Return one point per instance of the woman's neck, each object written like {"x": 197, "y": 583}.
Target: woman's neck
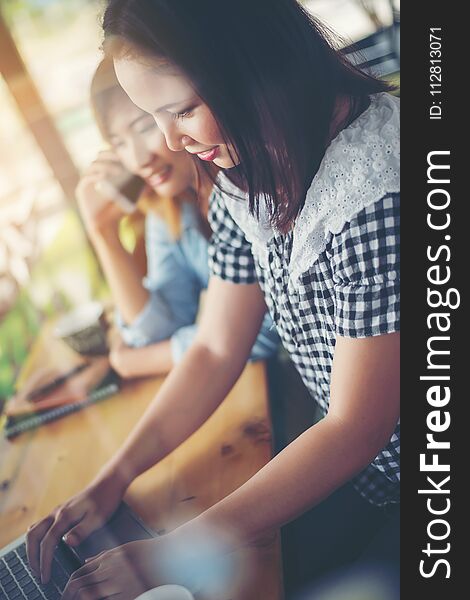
{"x": 345, "y": 111}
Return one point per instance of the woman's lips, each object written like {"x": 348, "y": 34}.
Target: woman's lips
{"x": 209, "y": 154}
{"x": 160, "y": 177}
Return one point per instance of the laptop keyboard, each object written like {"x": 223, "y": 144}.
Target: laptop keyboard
{"x": 18, "y": 582}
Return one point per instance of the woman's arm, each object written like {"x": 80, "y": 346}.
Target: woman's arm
{"x": 364, "y": 410}
{"x": 101, "y": 217}
{"x": 229, "y": 324}
{"x": 363, "y": 413}
{"x": 122, "y": 274}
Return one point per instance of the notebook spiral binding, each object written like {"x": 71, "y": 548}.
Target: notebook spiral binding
{"x": 61, "y": 411}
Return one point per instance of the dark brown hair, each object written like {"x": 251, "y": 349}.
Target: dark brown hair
{"x": 270, "y": 75}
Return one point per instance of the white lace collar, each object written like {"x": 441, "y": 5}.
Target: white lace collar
{"x": 360, "y": 166}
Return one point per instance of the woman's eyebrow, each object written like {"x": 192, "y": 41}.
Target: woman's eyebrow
{"x": 171, "y": 105}
{"x": 139, "y": 118}
{"x": 130, "y": 125}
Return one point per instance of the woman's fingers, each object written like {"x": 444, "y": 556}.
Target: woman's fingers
{"x": 106, "y": 170}
{"x": 90, "y": 581}
{"x": 88, "y": 561}
{"x": 95, "y": 207}
{"x": 108, "y": 160}
{"x": 89, "y": 567}
{"x": 34, "y": 537}
{"x": 104, "y": 167}
{"x": 103, "y": 163}
{"x": 64, "y": 520}
{"x": 87, "y": 588}
{"x": 77, "y": 534}
{"x": 108, "y": 155}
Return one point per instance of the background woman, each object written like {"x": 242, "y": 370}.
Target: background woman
{"x": 157, "y": 299}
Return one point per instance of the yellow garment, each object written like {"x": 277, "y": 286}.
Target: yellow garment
{"x": 132, "y": 227}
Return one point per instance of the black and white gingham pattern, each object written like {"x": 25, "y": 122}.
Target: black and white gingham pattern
{"x": 351, "y": 290}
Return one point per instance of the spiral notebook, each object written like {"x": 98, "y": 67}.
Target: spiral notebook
{"x": 48, "y": 388}
{"x": 14, "y": 427}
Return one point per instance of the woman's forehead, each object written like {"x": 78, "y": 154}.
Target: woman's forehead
{"x": 150, "y": 87}
{"x": 122, "y": 113}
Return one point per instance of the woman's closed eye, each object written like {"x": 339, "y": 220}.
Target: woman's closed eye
{"x": 148, "y": 127}
{"x": 144, "y": 124}
{"x": 116, "y": 142}
{"x": 183, "y": 114}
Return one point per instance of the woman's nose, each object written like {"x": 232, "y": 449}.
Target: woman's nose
{"x": 173, "y": 141}
{"x": 173, "y": 138}
{"x": 141, "y": 154}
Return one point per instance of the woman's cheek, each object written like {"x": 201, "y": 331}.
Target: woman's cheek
{"x": 157, "y": 144}
{"x": 126, "y": 160}
{"x": 208, "y": 129}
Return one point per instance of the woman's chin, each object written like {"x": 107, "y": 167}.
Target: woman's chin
{"x": 225, "y": 163}
{"x": 168, "y": 190}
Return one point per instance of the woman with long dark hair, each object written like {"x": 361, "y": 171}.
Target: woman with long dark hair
{"x": 305, "y": 218}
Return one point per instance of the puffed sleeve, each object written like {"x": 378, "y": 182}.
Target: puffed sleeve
{"x": 365, "y": 259}
{"x": 230, "y": 256}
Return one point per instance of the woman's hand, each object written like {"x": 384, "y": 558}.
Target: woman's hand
{"x": 129, "y": 362}
{"x": 120, "y": 357}
{"x": 78, "y": 518}
{"x": 124, "y": 572}
{"x": 189, "y": 556}
{"x": 100, "y": 214}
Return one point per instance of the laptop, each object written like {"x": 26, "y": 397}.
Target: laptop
{"x": 17, "y": 582}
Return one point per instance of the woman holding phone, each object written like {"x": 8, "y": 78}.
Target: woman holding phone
{"x": 157, "y": 305}
{"x": 305, "y": 218}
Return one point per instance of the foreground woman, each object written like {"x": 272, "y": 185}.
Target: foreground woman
{"x": 306, "y": 218}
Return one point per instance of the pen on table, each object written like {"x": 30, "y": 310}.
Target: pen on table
{"x": 55, "y": 383}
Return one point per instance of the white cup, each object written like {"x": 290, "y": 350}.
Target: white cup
{"x": 167, "y": 592}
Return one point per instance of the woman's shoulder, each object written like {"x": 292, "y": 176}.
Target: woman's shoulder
{"x": 171, "y": 215}
{"x": 190, "y": 214}
{"x": 361, "y": 167}
{"x": 368, "y": 148}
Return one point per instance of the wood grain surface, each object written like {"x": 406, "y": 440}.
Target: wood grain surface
{"x": 42, "y": 468}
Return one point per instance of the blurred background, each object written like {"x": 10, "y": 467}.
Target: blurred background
{"x": 48, "y": 52}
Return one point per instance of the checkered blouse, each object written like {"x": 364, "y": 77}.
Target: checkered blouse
{"x": 351, "y": 290}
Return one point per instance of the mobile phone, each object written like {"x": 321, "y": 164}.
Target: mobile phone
{"x": 132, "y": 187}
{"x": 124, "y": 190}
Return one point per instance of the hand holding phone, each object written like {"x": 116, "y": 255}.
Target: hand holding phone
{"x": 124, "y": 191}
{"x": 107, "y": 192}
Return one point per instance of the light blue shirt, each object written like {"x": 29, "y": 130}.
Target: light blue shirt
{"x": 177, "y": 272}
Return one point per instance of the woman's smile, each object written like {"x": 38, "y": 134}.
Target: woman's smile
{"x": 160, "y": 176}
{"x": 208, "y": 155}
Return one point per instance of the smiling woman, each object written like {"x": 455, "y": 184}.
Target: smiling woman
{"x": 186, "y": 120}
{"x": 305, "y": 219}
{"x": 156, "y": 310}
